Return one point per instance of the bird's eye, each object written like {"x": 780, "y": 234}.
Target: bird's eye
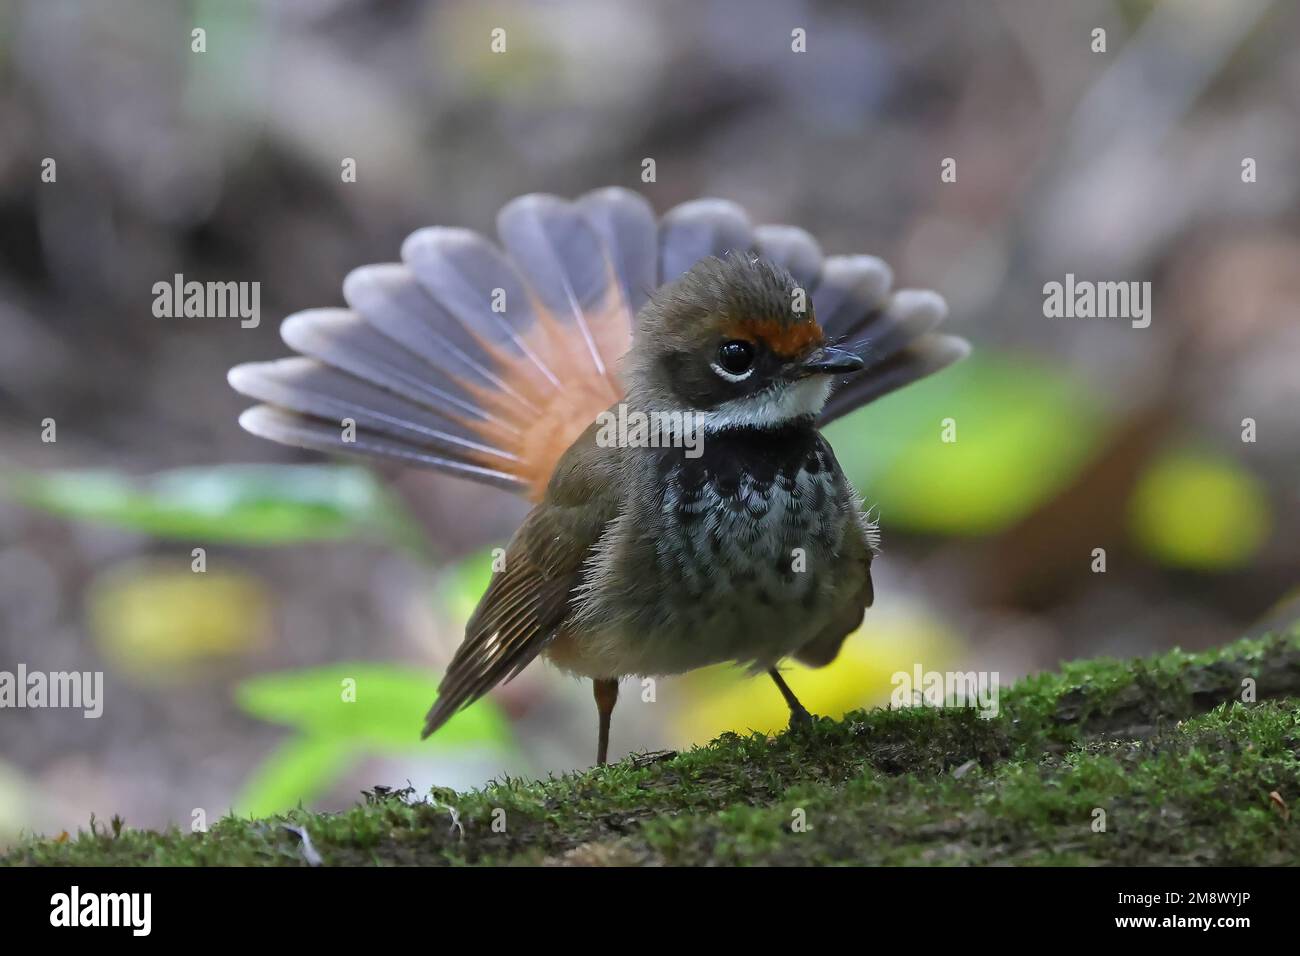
{"x": 736, "y": 358}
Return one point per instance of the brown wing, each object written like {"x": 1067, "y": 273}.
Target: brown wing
{"x": 531, "y": 597}
{"x": 855, "y": 591}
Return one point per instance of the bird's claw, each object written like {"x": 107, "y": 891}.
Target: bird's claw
{"x": 801, "y": 720}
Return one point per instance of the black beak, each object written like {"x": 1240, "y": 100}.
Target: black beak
{"x": 830, "y": 360}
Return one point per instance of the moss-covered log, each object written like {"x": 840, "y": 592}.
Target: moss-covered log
{"x": 1174, "y": 759}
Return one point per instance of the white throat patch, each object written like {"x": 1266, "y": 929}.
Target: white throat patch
{"x": 770, "y": 407}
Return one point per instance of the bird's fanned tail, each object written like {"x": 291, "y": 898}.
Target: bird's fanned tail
{"x": 488, "y": 364}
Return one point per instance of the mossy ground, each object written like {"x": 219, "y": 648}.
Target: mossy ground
{"x": 1181, "y": 768}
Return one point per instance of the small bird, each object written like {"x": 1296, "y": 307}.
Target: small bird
{"x": 716, "y": 527}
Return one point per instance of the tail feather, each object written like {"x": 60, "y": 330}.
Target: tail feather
{"x": 626, "y": 224}
{"x": 484, "y": 364}
{"x": 345, "y": 341}
{"x": 889, "y": 330}
{"x": 793, "y": 249}
{"x": 315, "y": 390}
{"x": 563, "y": 259}
{"x": 851, "y": 288}
{"x": 278, "y": 425}
{"x": 909, "y": 314}
{"x": 480, "y": 289}
{"x": 393, "y": 302}
{"x": 699, "y": 228}
{"x": 923, "y": 357}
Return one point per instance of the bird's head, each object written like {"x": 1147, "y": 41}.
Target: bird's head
{"x": 735, "y": 341}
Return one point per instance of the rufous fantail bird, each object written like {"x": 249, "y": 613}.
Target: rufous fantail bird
{"x": 657, "y": 389}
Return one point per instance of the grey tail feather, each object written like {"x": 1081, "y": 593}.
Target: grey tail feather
{"x": 563, "y": 259}
{"x": 479, "y": 290}
{"x": 626, "y": 224}
{"x": 850, "y": 289}
{"x": 893, "y": 331}
{"x": 919, "y": 358}
{"x": 301, "y": 431}
{"x": 794, "y": 250}
{"x": 439, "y": 360}
{"x": 700, "y": 228}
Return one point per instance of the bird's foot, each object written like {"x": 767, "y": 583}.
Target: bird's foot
{"x": 801, "y": 720}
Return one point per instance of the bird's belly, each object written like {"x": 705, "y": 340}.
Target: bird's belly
{"x": 727, "y": 585}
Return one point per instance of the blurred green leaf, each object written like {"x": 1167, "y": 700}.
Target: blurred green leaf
{"x": 1022, "y": 430}
{"x": 344, "y": 711}
{"x": 387, "y": 712}
{"x": 1199, "y": 510}
{"x": 248, "y": 504}
{"x": 300, "y": 771}
{"x": 464, "y": 583}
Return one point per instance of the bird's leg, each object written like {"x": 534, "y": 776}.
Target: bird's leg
{"x": 606, "y": 693}
{"x": 799, "y": 716}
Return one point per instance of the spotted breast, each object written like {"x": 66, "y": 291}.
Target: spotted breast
{"x": 746, "y": 553}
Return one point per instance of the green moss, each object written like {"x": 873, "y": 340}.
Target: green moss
{"x": 1162, "y": 751}
{"x": 1197, "y": 793}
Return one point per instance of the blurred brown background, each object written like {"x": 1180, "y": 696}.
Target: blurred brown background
{"x": 1074, "y": 434}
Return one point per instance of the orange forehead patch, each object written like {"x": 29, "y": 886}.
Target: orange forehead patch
{"x": 785, "y": 341}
